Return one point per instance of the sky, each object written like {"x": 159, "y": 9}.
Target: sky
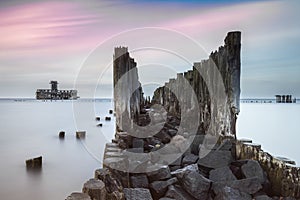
{"x": 72, "y": 42}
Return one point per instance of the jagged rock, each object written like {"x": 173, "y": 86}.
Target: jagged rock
{"x": 78, "y": 196}
{"x": 177, "y": 162}
{"x": 162, "y": 173}
{"x": 249, "y": 185}
{"x": 253, "y": 169}
{"x": 180, "y": 172}
{"x": 178, "y": 193}
{"x": 263, "y": 197}
{"x": 139, "y": 181}
{"x": 216, "y": 159}
{"x": 196, "y": 184}
{"x": 101, "y": 173}
{"x": 95, "y": 188}
{"x": 189, "y": 159}
{"x": 34, "y": 163}
{"x": 137, "y": 194}
{"x": 222, "y": 174}
{"x": 159, "y": 188}
{"x": 227, "y": 193}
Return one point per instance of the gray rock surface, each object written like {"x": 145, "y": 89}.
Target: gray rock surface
{"x": 178, "y": 193}
{"x": 196, "y": 185}
{"x": 137, "y": 194}
{"x": 221, "y": 174}
{"x": 249, "y": 185}
{"x": 216, "y": 159}
{"x": 227, "y": 193}
{"x": 139, "y": 181}
{"x": 253, "y": 169}
{"x": 95, "y": 188}
{"x": 78, "y": 196}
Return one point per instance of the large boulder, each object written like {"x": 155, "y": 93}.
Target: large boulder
{"x": 253, "y": 169}
{"x": 249, "y": 185}
{"x": 159, "y": 174}
{"x": 196, "y": 184}
{"x": 222, "y": 174}
{"x": 159, "y": 188}
{"x": 216, "y": 159}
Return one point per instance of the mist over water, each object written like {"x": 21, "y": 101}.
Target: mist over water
{"x": 30, "y": 129}
{"x": 273, "y": 125}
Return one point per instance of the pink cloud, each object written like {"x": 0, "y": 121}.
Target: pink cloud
{"x": 43, "y": 25}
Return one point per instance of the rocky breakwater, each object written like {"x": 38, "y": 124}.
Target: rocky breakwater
{"x": 172, "y": 151}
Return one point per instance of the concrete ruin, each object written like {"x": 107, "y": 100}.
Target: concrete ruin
{"x": 136, "y": 165}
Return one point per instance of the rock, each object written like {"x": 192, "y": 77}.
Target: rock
{"x": 227, "y": 193}
{"x": 100, "y": 125}
{"x": 101, "y": 173}
{"x": 139, "y": 181}
{"x": 166, "y": 198}
{"x": 61, "y": 135}
{"x": 180, "y": 172}
{"x": 80, "y": 134}
{"x": 159, "y": 188}
{"x": 190, "y": 159}
{"x": 95, "y": 188}
{"x": 172, "y": 132}
{"x": 263, "y": 197}
{"x": 107, "y": 118}
{"x": 216, "y": 159}
{"x": 78, "y": 196}
{"x": 178, "y": 193}
{"x": 162, "y": 173}
{"x": 163, "y": 136}
{"x": 253, "y": 169}
{"x": 226, "y": 145}
{"x": 97, "y": 118}
{"x": 222, "y": 174}
{"x": 196, "y": 185}
{"x": 137, "y": 194}
{"x": 137, "y": 143}
{"x": 34, "y": 163}
{"x": 111, "y": 112}
{"x": 249, "y": 185}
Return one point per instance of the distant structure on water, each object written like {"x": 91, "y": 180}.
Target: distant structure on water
{"x": 55, "y": 94}
{"x": 285, "y": 99}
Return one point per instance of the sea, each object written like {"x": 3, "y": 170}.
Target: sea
{"x": 30, "y": 128}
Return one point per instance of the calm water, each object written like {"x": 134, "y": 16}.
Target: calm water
{"x": 274, "y": 126}
{"x": 30, "y": 129}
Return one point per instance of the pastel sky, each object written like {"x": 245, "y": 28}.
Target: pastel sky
{"x": 52, "y": 40}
